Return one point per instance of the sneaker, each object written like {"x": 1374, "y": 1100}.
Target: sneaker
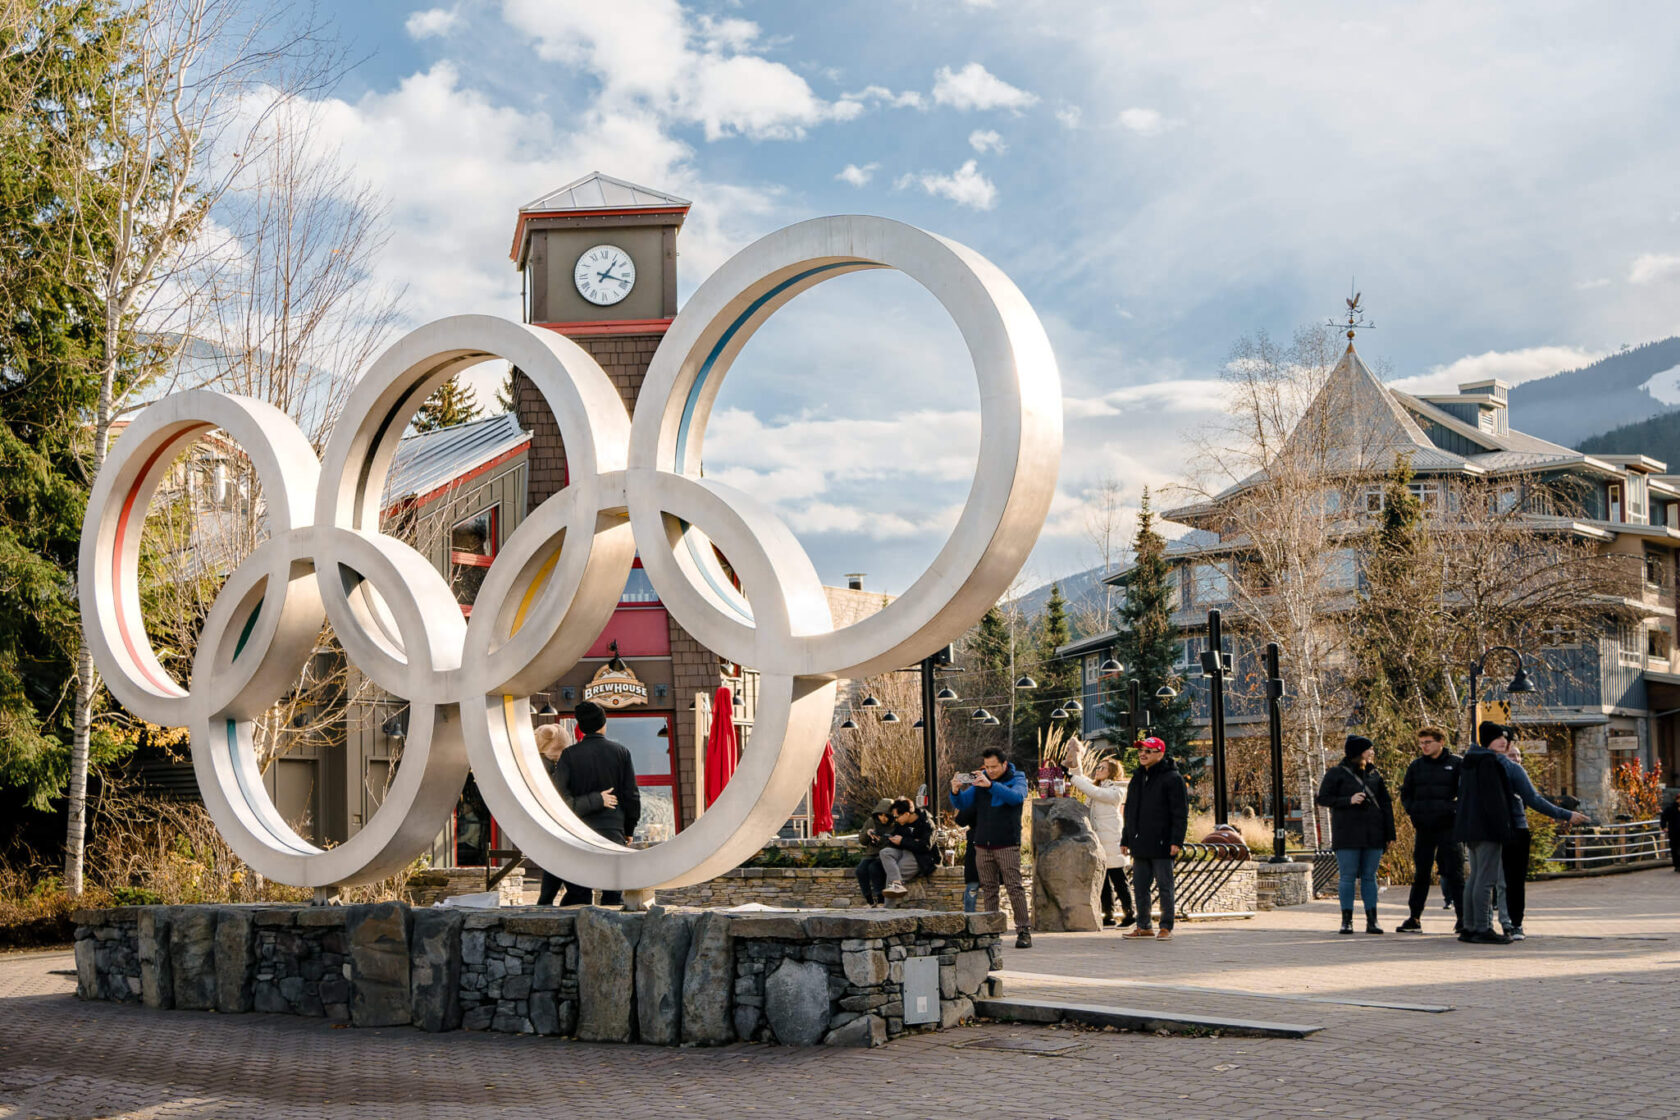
{"x": 1140, "y": 931}
{"x": 1128, "y": 920}
{"x": 895, "y": 890}
{"x": 1163, "y": 934}
{"x": 1516, "y": 933}
{"x": 1488, "y": 937}
{"x": 1446, "y": 904}
{"x": 1108, "y": 920}
{"x": 1410, "y": 925}
{"x": 1023, "y": 940}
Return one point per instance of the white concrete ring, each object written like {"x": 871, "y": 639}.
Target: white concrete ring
{"x": 434, "y": 762}
{"x": 108, "y": 569}
{"x": 1020, "y": 405}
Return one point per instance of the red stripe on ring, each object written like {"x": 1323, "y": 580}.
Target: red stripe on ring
{"x": 167, "y": 686}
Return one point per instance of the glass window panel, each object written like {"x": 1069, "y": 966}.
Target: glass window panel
{"x": 638, "y": 588}
{"x": 640, "y": 735}
{"x": 476, "y": 535}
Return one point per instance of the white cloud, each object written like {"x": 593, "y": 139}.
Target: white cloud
{"x": 975, "y": 87}
{"x": 651, "y": 58}
{"x": 1511, "y": 366}
{"x": 1069, "y": 115}
{"x": 857, "y": 176}
{"x": 1144, "y": 122}
{"x": 432, "y": 21}
{"x": 909, "y": 99}
{"x": 965, "y": 186}
{"x": 1649, "y": 268}
{"x": 986, "y": 140}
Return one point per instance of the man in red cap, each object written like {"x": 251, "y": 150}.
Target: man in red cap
{"x": 1157, "y": 813}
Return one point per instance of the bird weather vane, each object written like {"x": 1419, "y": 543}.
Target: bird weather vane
{"x": 1356, "y": 320}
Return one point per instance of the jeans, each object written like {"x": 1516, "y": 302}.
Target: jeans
{"x": 1148, "y": 872}
{"x": 871, "y": 877}
{"x": 1002, "y": 865}
{"x": 1357, "y": 864}
{"x": 899, "y": 865}
{"x": 1434, "y": 847}
{"x": 1513, "y": 860}
{"x": 1115, "y": 887}
{"x": 1479, "y": 886}
{"x": 971, "y": 897}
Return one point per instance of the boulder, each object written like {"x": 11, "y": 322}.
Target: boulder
{"x": 866, "y": 1030}
{"x": 87, "y": 968}
{"x": 661, "y": 955}
{"x": 545, "y": 1013}
{"x": 235, "y": 958}
{"x": 972, "y": 968}
{"x": 378, "y": 935}
{"x": 708, "y": 986}
{"x": 549, "y": 971}
{"x": 1068, "y": 868}
{"x": 796, "y": 1003}
{"x": 954, "y": 1012}
{"x": 606, "y": 974}
{"x": 865, "y": 968}
{"x": 746, "y": 1020}
{"x": 434, "y": 969}
{"x": 192, "y": 956}
{"x": 157, "y": 982}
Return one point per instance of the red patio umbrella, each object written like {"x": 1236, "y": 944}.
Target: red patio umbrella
{"x": 721, "y": 749}
{"x": 822, "y": 794}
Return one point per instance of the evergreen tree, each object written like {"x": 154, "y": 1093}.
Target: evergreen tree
{"x": 57, "y": 91}
{"x": 1147, "y": 645}
{"x": 1058, "y": 681}
{"x": 453, "y": 403}
{"x": 504, "y": 394}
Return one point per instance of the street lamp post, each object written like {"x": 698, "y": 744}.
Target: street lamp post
{"x": 1274, "y": 719}
{"x": 1519, "y": 682}
{"x": 1216, "y": 664}
{"x": 1137, "y": 716}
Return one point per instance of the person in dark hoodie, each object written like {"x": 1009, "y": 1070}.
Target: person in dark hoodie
{"x": 1361, "y": 825}
{"x": 1152, "y": 832}
{"x": 996, "y": 793}
{"x": 908, "y": 851}
{"x": 1429, "y": 793}
{"x": 872, "y": 837}
{"x": 597, "y": 778}
{"x": 1483, "y": 825}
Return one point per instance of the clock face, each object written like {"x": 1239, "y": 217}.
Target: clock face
{"x": 604, "y": 275}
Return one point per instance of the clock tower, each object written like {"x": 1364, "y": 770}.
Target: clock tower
{"x": 598, "y": 263}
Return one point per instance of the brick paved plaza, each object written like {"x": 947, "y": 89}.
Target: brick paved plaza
{"x": 1582, "y": 1020}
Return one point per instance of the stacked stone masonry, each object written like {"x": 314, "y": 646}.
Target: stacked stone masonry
{"x": 666, "y": 977}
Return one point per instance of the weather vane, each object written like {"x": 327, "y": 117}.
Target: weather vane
{"x": 1356, "y": 320}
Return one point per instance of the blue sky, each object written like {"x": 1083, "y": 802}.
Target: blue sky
{"x": 1160, "y": 179}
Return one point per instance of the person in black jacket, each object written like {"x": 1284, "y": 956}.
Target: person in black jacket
{"x": 1670, "y": 820}
{"x": 597, "y": 778}
{"x": 909, "y": 849}
{"x": 1361, "y": 825}
{"x": 1429, "y": 794}
{"x": 872, "y": 837}
{"x": 1483, "y": 825}
{"x": 1152, "y": 831}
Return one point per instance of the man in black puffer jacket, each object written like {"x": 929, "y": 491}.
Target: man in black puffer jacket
{"x": 1429, "y": 794}
{"x": 1152, "y": 831}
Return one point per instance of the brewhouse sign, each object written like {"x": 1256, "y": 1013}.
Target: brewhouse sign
{"x": 615, "y": 687}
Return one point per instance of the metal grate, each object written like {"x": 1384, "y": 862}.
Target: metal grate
{"x": 1200, "y": 871}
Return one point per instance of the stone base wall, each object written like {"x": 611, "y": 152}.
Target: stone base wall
{"x": 424, "y": 888}
{"x": 805, "y": 888}
{"x": 1238, "y": 894}
{"x": 1282, "y": 884}
{"x": 666, "y": 977}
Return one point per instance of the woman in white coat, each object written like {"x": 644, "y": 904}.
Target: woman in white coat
{"x": 1106, "y": 797}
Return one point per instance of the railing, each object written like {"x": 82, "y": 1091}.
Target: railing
{"x": 1611, "y": 845}
{"x": 1200, "y": 872}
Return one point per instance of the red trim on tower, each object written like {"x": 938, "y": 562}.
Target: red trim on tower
{"x": 612, "y": 326}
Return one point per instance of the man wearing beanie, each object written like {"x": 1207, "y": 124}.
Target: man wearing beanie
{"x": 597, "y": 778}
{"x": 1361, "y": 825}
{"x": 1483, "y": 825}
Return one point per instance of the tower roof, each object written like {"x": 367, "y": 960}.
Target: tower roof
{"x": 595, "y": 194}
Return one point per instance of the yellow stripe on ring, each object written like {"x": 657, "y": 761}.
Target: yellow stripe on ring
{"x": 530, "y": 596}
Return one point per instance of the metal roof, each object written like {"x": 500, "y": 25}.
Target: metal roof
{"x": 596, "y": 191}
{"x": 427, "y": 460}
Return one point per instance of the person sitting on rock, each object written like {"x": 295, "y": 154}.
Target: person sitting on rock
{"x": 909, "y": 849}
{"x": 872, "y": 837}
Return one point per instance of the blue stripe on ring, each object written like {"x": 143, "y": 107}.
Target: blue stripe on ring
{"x": 698, "y": 387}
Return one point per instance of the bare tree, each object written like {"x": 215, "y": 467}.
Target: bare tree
{"x": 1105, "y": 530}
{"x": 202, "y": 83}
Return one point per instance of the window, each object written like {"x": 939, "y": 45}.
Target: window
{"x": 648, "y": 738}
{"x": 1428, "y": 495}
{"x": 1341, "y": 570}
{"x": 1375, "y": 501}
{"x": 1656, "y": 567}
{"x": 1630, "y": 647}
{"x": 1210, "y": 584}
{"x": 638, "y": 589}
{"x": 1658, "y": 643}
{"x": 472, "y": 548}
{"x": 1560, "y": 637}
{"x": 1615, "y": 501}
{"x": 1506, "y": 498}
{"x": 1636, "y": 494}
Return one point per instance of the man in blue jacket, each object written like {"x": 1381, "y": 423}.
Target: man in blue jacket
{"x": 1514, "y": 855}
{"x": 996, "y": 792}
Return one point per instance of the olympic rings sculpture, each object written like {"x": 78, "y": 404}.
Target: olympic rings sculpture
{"x": 634, "y": 485}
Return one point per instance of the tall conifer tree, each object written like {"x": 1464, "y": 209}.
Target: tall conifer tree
{"x": 453, "y": 403}
{"x": 1147, "y": 645}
